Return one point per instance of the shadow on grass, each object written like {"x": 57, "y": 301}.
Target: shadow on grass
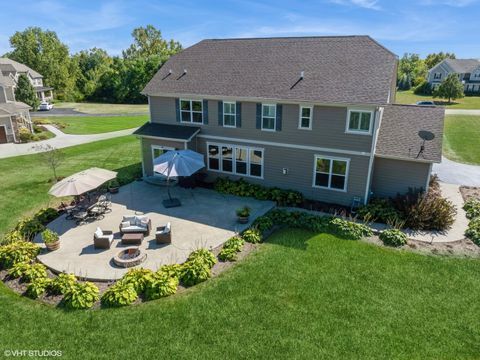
{"x": 129, "y": 173}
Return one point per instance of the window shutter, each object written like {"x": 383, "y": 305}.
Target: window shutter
{"x": 259, "y": 116}
{"x": 220, "y": 113}
{"x": 239, "y": 114}
{"x": 177, "y": 109}
{"x": 278, "y": 124}
{"x": 205, "y": 112}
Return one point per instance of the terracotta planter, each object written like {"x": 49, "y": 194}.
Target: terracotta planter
{"x": 243, "y": 219}
{"x": 53, "y": 246}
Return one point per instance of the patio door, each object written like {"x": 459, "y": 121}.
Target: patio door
{"x": 158, "y": 150}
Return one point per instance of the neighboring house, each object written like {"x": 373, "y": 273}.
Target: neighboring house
{"x": 14, "y": 69}
{"x": 468, "y": 71}
{"x": 313, "y": 114}
{"x": 14, "y": 115}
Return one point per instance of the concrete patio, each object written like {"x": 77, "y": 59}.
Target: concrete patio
{"x": 205, "y": 219}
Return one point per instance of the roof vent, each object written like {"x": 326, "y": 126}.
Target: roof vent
{"x": 302, "y": 73}
{"x": 184, "y": 71}
{"x": 170, "y": 71}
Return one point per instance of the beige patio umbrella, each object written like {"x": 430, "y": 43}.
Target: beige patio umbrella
{"x": 82, "y": 182}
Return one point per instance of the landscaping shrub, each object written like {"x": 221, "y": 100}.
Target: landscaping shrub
{"x": 380, "y": 210}
{"x": 49, "y": 236}
{"x": 472, "y": 208}
{"x": 228, "y": 254}
{"x": 263, "y": 223}
{"x": 18, "y": 270}
{"x": 230, "y": 249}
{"x": 473, "y": 231}
{"x": 349, "y": 229}
{"x": 194, "y": 272}
{"x": 81, "y": 295}
{"x": 252, "y": 235}
{"x": 393, "y": 237}
{"x": 37, "y": 287}
{"x": 119, "y": 294}
{"x": 24, "y": 134}
{"x": 21, "y": 251}
{"x": 12, "y": 236}
{"x": 29, "y": 227}
{"x": 138, "y": 278}
{"x": 203, "y": 255}
{"x": 162, "y": 284}
{"x": 243, "y": 188}
{"x": 62, "y": 283}
{"x": 423, "y": 88}
{"x": 46, "y": 215}
{"x": 173, "y": 270}
{"x": 300, "y": 219}
{"x": 35, "y": 271}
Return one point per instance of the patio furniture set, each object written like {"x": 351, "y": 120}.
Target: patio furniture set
{"x": 84, "y": 211}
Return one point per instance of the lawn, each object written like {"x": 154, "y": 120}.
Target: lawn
{"x": 468, "y": 102}
{"x": 462, "y": 138}
{"x": 100, "y": 108}
{"x": 96, "y": 124}
{"x": 25, "y": 183}
{"x": 300, "y": 296}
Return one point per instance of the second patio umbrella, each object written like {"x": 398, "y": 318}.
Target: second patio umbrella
{"x": 176, "y": 163}
{"x": 82, "y": 182}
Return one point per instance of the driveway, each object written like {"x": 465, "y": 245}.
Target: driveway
{"x": 453, "y": 172}
{"x": 61, "y": 140}
{"x": 462, "y": 112}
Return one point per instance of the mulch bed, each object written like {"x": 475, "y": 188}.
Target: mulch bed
{"x": 469, "y": 192}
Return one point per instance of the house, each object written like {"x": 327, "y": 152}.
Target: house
{"x": 314, "y": 114}
{"x": 14, "y": 115}
{"x": 13, "y": 69}
{"x": 468, "y": 71}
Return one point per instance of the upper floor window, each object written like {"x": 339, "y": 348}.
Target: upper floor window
{"x": 359, "y": 121}
{"x": 330, "y": 173}
{"x": 476, "y": 75}
{"x": 191, "y": 111}
{"x": 229, "y": 114}
{"x": 269, "y": 113}
{"x": 305, "y": 118}
{"x": 437, "y": 76}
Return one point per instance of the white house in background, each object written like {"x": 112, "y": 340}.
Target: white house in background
{"x": 468, "y": 71}
{"x": 13, "y": 70}
{"x": 14, "y": 115}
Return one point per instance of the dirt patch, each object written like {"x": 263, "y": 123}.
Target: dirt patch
{"x": 469, "y": 192}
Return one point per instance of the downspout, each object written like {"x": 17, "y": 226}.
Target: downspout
{"x": 427, "y": 185}
{"x": 141, "y": 154}
{"x": 378, "y": 121}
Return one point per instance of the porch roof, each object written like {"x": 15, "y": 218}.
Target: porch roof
{"x": 14, "y": 107}
{"x": 168, "y": 131}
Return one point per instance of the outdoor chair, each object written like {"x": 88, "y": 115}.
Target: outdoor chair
{"x": 105, "y": 202}
{"x": 163, "y": 234}
{"x": 102, "y": 239}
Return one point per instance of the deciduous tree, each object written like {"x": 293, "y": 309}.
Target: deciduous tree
{"x": 451, "y": 88}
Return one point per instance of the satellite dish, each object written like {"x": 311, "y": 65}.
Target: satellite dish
{"x": 426, "y": 135}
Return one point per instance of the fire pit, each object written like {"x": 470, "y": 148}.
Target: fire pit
{"x": 130, "y": 256}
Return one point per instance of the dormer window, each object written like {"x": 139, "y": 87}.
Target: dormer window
{"x": 359, "y": 122}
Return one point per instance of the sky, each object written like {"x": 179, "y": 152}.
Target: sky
{"x": 414, "y": 26}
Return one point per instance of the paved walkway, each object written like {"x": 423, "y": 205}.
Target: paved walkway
{"x": 206, "y": 219}
{"x": 462, "y": 112}
{"x": 61, "y": 140}
{"x": 452, "y": 172}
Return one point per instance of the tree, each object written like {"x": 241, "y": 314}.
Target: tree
{"x": 451, "y": 88}
{"x": 92, "y": 65}
{"x": 411, "y": 66}
{"x": 25, "y": 92}
{"x": 45, "y": 53}
{"x": 433, "y": 59}
{"x": 148, "y": 41}
{"x": 51, "y": 156}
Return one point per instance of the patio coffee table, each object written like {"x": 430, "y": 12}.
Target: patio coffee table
{"x": 132, "y": 238}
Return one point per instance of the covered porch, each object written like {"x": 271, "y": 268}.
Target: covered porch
{"x": 44, "y": 93}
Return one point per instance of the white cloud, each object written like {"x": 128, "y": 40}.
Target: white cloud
{"x": 366, "y": 4}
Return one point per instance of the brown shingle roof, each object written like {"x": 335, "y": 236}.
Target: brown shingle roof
{"x": 343, "y": 69}
{"x": 399, "y": 132}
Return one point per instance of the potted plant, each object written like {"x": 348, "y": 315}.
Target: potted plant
{"x": 243, "y": 214}
{"x": 51, "y": 239}
{"x": 113, "y": 186}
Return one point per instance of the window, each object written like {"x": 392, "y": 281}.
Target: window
{"x": 437, "y": 76}
{"x": 359, "y": 121}
{"x": 229, "y": 114}
{"x": 331, "y": 173}
{"x": 191, "y": 111}
{"x": 233, "y": 159}
{"x": 269, "y": 112}
{"x": 305, "y": 118}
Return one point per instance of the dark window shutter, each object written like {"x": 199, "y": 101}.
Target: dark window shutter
{"x": 177, "y": 109}
{"x": 220, "y": 113}
{"x": 239, "y": 114}
{"x": 278, "y": 126}
{"x": 205, "y": 111}
{"x": 259, "y": 116}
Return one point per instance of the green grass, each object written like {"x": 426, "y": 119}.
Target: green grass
{"x": 25, "y": 179}
{"x": 462, "y": 138}
{"x": 100, "y": 108}
{"x": 299, "y": 296}
{"x": 79, "y": 125}
{"x": 468, "y": 102}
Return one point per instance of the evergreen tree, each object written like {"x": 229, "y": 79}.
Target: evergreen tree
{"x": 26, "y": 93}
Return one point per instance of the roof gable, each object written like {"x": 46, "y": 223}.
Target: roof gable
{"x": 7, "y": 64}
{"x": 344, "y": 69}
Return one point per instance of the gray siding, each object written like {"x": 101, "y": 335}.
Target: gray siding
{"x": 328, "y": 125}
{"x": 392, "y": 177}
